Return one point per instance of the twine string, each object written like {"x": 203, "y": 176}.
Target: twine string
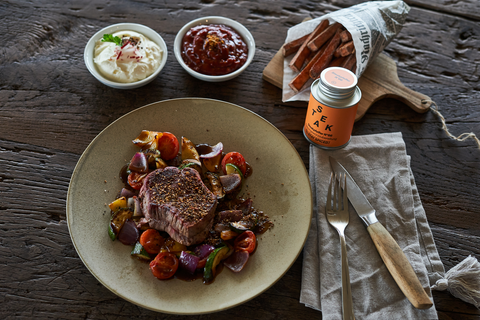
{"x": 464, "y": 136}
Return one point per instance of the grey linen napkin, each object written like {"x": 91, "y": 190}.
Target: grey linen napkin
{"x": 380, "y": 166}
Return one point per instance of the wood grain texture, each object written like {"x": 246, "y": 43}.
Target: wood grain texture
{"x": 51, "y": 108}
{"x": 378, "y": 82}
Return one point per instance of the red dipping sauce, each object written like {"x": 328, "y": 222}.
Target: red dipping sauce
{"x": 214, "y": 49}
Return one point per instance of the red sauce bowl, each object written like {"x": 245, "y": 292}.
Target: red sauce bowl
{"x": 215, "y": 20}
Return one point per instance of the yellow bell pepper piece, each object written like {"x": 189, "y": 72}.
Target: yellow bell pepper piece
{"x": 117, "y": 204}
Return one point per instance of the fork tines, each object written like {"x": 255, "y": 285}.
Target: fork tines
{"x": 338, "y": 180}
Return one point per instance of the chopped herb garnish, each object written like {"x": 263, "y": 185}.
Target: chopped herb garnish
{"x": 111, "y": 38}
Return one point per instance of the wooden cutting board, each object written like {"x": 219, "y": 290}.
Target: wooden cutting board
{"x": 379, "y": 81}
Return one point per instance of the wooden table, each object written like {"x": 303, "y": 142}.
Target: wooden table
{"x": 51, "y": 108}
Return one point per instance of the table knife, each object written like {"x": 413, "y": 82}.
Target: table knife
{"x": 389, "y": 250}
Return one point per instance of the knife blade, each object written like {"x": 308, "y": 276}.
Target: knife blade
{"x": 392, "y": 255}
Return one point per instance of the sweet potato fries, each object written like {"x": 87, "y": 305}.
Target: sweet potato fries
{"x": 327, "y": 46}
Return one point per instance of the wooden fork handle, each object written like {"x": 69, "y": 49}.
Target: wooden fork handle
{"x": 399, "y": 266}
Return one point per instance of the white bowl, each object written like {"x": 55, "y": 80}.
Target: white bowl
{"x": 89, "y": 54}
{"x": 246, "y": 35}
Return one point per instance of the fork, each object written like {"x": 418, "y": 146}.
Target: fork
{"x": 338, "y": 217}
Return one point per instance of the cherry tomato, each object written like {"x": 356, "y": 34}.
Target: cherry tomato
{"x": 135, "y": 180}
{"x": 201, "y": 263}
{"x": 151, "y": 241}
{"x": 168, "y": 146}
{"x": 234, "y": 158}
{"x": 246, "y": 241}
{"x": 164, "y": 266}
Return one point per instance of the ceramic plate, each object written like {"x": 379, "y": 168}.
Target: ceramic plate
{"x": 279, "y": 186}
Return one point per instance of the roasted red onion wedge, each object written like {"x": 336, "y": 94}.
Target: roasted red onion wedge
{"x": 237, "y": 261}
{"x": 188, "y": 261}
{"x": 212, "y": 159}
{"x": 137, "y": 211}
{"x": 216, "y": 150}
{"x": 129, "y": 234}
{"x": 204, "y": 250}
{"x": 139, "y": 163}
{"x": 245, "y": 206}
{"x": 230, "y": 182}
{"x": 128, "y": 193}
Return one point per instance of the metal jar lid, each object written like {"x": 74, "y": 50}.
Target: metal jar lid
{"x": 337, "y": 83}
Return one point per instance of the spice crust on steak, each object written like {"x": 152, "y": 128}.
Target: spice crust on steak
{"x": 178, "y": 202}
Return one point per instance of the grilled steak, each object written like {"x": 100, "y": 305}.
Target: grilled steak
{"x": 177, "y": 201}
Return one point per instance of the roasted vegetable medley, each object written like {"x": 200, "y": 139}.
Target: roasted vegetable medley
{"x": 162, "y": 232}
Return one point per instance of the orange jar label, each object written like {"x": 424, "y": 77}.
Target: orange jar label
{"x": 327, "y": 126}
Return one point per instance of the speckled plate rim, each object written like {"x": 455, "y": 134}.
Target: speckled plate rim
{"x": 280, "y": 187}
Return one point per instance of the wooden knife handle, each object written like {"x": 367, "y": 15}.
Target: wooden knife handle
{"x": 399, "y": 266}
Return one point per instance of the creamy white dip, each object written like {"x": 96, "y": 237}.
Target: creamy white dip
{"x": 135, "y": 59}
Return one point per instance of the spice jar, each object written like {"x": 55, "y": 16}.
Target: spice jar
{"x": 332, "y": 108}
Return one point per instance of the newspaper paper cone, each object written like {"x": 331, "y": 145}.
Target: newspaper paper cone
{"x": 373, "y": 25}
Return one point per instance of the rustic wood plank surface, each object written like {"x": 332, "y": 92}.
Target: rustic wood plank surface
{"x": 51, "y": 108}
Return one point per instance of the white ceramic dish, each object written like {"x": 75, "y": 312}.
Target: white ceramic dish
{"x": 246, "y": 35}
{"x": 279, "y": 186}
{"x": 146, "y": 31}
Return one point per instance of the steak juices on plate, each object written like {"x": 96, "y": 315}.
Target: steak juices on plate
{"x": 182, "y": 210}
